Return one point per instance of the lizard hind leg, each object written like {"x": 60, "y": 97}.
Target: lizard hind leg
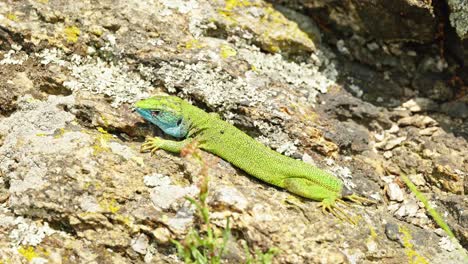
{"x": 330, "y": 201}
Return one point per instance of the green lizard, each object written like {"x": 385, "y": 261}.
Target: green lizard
{"x": 180, "y": 119}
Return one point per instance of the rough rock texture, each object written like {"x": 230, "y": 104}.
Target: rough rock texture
{"x": 459, "y": 17}
{"x": 323, "y": 83}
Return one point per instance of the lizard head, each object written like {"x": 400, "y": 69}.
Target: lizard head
{"x": 166, "y": 113}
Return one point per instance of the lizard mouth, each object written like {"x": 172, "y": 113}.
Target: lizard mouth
{"x": 145, "y": 113}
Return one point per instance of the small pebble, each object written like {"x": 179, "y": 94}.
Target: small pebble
{"x": 140, "y": 244}
{"x": 394, "y": 192}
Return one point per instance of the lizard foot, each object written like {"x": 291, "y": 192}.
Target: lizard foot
{"x": 358, "y": 199}
{"x": 331, "y": 206}
{"x": 151, "y": 144}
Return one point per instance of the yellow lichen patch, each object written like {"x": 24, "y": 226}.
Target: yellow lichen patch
{"x": 231, "y": 4}
{"x": 126, "y": 220}
{"x": 287, "y": 30}
{"x": 227, "y": 51}
{"x": 96, "y": 185}
{"x": 5, "y": 261}
{"x": 110, "y": 205}
{"x": 60, "y": 133}
{"x": 102, "y": 141}
{"x": 41, "y": 135}
{"x": 273, "y": 31}
{"x": 71, "y": 34}
{"x": 413, "y": 256}
{"x": 11, "y": 16}
{"x": 372, "y": 234}
{"x": 104, "y": 120}
{"x": 30, "y": 252}
{"x": 192, "y": 44}
{"x": 43, "y": 1}
{"x": 32, "y": 100}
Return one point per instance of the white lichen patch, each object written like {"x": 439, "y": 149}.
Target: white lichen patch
{"x": 54, "y": 55}
{"x": 115, "y": 80}
{"x": 20, "y": 132}
{"x": 219, "y": 89}
{"x": 181, "y": 6}
{"x": 299, "y": 75}
{"x": 156, "y": 179}
{"x": 164, "y": 195}
{"x": 344, "y": 173}
{"x": 13, "y": 58}
{"x": 33, "y": 136}
{"x": 29, "y": 233}
{"x": 276, "y": 139}
{"x": 230, "y": 197}
{"x": 288, "y": 148}
{"x": 122, "y": 150}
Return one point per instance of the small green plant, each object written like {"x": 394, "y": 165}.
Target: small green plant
{"x": 205, "y": 243}
{"x": 259, "y": 257}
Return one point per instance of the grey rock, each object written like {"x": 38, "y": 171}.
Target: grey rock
{"x": 229, "y": 197}
{"x": 394, "y": 192}
{"x": 140, "y": 243}
{"x": 392, "y": 231}
{"x": 459, "y": 17}
{"x": 457, "y": 109}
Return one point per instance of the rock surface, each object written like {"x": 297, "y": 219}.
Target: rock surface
{"x": 317, "y": 80}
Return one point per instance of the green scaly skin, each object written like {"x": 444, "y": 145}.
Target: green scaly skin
{"x": 226, "y": 141}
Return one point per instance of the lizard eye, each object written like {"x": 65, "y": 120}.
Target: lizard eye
{"x": 155, "y": 113}
{"x": 179, "y": 122}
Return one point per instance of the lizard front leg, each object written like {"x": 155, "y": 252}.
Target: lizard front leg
{"x": 155, "y": 143}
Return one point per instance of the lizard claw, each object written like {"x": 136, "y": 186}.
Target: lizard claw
{"x": 359, "y": 200}
{"x": 331, "y": 206}
{"x": 151, "y": 144}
